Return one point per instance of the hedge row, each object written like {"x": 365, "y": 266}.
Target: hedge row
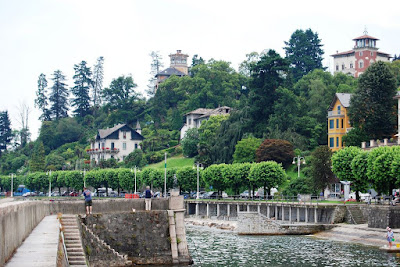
{"x": 219, "y": 177}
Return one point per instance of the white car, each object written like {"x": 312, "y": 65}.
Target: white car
{"x": 29, "y": 194}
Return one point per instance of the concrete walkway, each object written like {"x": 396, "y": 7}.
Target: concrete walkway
{"x": 40, "y": 247}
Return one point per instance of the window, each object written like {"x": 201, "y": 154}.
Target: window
{"x": 342, "y": 124}
{"x": 190, "y": 121}
{"x": 103, "y": 145}
{"x": 351, "y": 65}
{"x": 331, "y": 124}
{"x": 99, "y": 145}
{"x": 136, "y": 146}
{"x": 112, "y": 146}
{"x": 337, "y": 141}
{"x": 337, "y": 67}
{"x": 337, "y": 123}
{"x": 124, "y": 134}
{"x": 338, "y": 110}
{"x": 372, "y": 54}
{"x": 124, "y": 146}
{"x": 123, "y": 157}
{"x": 360, "y": 53}
{"x": 331, "y": 144}
{"x": 361, "y": 64}
{"x": 342, "y": 66}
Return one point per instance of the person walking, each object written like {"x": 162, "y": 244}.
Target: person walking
{"x": 389, "y": 236}
{"x": 88, "y": 200}
{"x": 147, "y": 197}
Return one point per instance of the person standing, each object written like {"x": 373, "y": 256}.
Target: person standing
{"x": 88, "y": 200}
{"x": 389, "y": 236}
{"x": 147, "y": 197}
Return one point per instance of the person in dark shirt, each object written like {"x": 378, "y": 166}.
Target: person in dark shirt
{"x": 88, "y": 200}
{"x": 147, "y": 197}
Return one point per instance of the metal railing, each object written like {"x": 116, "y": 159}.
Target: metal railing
{"x": 63, "y": 242}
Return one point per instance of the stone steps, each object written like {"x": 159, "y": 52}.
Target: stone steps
{"x": 73, "y": 243}
{"x": 356, "y": 214}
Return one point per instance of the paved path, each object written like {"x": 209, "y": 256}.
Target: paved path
{"x": 40, "y": 247}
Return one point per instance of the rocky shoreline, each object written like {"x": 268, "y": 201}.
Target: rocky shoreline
{"x": 219, "y": 224}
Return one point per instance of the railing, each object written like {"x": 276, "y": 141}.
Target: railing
{"x": 63, "y": 242}
{"x": 335, "y": 113}
{"x": 103, "y": 150}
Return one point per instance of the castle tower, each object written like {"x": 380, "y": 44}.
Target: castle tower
{"x": 179, "y": 61}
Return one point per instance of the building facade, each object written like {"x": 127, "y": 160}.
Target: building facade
{"x": 338, "y": 120}
{"x": 365, "y": 52}
{"x": 178, "y": 67}
{"x": 116, "y": 142}
{"x": 196, "y": 117}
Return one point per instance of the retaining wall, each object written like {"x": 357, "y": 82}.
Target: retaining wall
{"x": 17, "y": 220}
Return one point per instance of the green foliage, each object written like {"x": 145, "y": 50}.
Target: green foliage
{"x": 355, "y": 137}
{"x": 304, "y": 52}
{"x": 245, "y": 150}
{"x": 58, "y": 96}
{"x": 135, "y": 158}
{"x": 321, "y": 163}
{"x": 300, "y": 185}
{"x": 372, "y": 107}
{"x": 359, "y": 169}
{"x": 268, "y": 174}
{"x": 187, "y": 178}
{"x": 190, "y": 142}
{"x": 341, "y": 162}
{"x": 277, "y": 150}
{"x": 37, "y": 163}
{"x": 214, "y": 176}
{"x": 239, "y": 176}
{"x": 5, "y": 131}
{"x": 83, "y": 82}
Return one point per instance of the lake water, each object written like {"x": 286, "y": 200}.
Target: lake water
{"x": 214, "y": 247}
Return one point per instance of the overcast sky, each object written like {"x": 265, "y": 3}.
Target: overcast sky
{"x": 41, "y": 36}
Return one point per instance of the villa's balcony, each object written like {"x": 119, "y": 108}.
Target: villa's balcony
{"x": 336, "y": 113}
{"x": 102, "y": 150}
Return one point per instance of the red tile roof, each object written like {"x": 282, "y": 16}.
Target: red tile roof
{"x": 365, "y": 37}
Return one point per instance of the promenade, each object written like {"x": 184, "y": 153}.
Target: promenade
{"x": 40, "y": 247}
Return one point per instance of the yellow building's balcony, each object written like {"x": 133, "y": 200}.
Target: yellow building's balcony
{"x": 336, "y": 113}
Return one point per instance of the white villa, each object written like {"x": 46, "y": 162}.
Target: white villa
{"x": 116, "y": 142}
{"x": 196, "y": 117}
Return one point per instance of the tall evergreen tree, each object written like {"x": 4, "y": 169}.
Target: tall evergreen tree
{"x": 5, "y": 130}
{"x": 83, "y": 82}
{"x": 41, "y": 101}
{"x": 304, "y": 52}
{"x": 37, "y": 162}
{"x": 372, "y": 107}
{"x": 98, "y": 75}
{"x": 121, "y": 93}
{"x": 59, "y": 96}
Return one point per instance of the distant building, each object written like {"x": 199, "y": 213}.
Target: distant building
{"x": 116, "y": 142}
{"x": 196, "y": 117}
{"x": 338, "y": 120}
{"x": 178, "y": 66}
{"x": 365, "y": 52}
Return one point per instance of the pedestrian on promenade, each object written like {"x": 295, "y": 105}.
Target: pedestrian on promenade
{"x": 389, "y": 236}
{"x": 88, "y": 200}
{"x": 147, "y": 197}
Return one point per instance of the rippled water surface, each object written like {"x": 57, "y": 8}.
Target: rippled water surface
{"x": 214, "y": 247}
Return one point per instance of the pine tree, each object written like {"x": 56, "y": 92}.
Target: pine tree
{"x": 37, "y": 162}
{"x": 83, "y": 81}
{"x": 98, "y": 75}
{"x": 5, "y": 131}
{"x": 304, "y": 52}
{"x": 41, "y": 101}
{"x": 59, "y": 96}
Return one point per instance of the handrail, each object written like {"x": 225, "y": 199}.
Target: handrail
{"x": 64, "y": 247}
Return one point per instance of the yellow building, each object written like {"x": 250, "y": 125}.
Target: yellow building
{"x": 338, "y": 120}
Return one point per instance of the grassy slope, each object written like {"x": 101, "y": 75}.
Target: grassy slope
{"x": 174, "y": 162}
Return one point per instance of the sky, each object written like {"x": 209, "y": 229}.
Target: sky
{"x": 41, "y": 36}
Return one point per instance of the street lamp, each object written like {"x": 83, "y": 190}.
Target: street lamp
{"x": 135, "y": 179}
{"x": 49, "y": 174}
{"x": 165, "y": 176}
{"x": 198, "y": 181}
{"x": 12, "y": 184}
{"x": 298, "y": 159}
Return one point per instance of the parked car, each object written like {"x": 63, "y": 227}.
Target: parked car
{"x": 157, "y": 195}
{"x": 29, "y": 194}
{"x": 113, "y": 194}
{"x": 122, "y": 193}
{"x": 73, "y": 194}
{"x": 55, "y": 194}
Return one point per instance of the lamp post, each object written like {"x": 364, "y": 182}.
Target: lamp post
{"x": 12, "y": 184}
{"x": 165, "y": 176}
{"x": 298, "y": 160}
{"x": 49, "y": 174}
{"x": 198, "y": 181}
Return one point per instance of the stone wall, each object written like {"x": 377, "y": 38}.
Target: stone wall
{"x": 142, "y": 236}
{"x": 17, "y": 220}
{"x": 383, "y": 216}
{"x": 253, "y": 223}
